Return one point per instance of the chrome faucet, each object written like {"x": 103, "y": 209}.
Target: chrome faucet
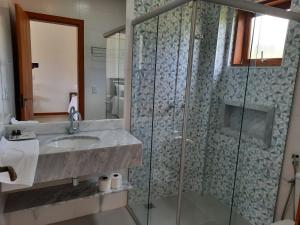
{"x": 12, "y": 173}
{"x": 74, "y": 126}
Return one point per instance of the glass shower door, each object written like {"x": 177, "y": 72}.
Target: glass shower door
{"x": 159, "y": 78}
{"x": 171, "y": 73}
{"x": 216, "y": 103}
{"x": 268, "y": 99}
{"x": 142, "y": 107}
{"x": 161, "y": 59}
{"x": 238, "y": 116}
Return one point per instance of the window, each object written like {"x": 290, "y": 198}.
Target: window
{"x": 267, "y": 40}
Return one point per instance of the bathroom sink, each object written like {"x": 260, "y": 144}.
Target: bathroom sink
{"x": 73, "y": 142}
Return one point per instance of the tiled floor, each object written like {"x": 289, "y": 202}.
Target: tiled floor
{"x": 196, "y": 210}
{"x": 112, "y": 217}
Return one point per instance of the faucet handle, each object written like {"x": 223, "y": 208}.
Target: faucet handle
{"x": 11, "y": 171}
{"x": 72, "y": 110}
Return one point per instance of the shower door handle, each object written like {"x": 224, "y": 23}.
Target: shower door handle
{"x": 187, "y": 139}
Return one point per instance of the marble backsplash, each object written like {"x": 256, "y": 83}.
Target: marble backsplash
{"x": 60, "y": 127}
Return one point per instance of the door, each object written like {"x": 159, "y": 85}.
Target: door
{"x": 25, "y": 98}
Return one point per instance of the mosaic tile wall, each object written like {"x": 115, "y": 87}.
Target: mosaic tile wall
{"x": 212, "y": 156}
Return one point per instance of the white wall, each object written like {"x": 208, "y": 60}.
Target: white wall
{"x": 7, "y": 105}
{"x": 99, "y": 16}
{"x": 54, "y": 47}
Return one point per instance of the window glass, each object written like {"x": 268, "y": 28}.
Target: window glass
{"x": 268, "y": 33}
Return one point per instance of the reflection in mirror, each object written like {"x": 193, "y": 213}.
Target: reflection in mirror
{"x": 115, "y": 56}
{"x": 62, "y": 60}
{"x": 54, "y": 53}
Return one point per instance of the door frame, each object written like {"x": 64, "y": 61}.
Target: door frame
{"x": 80, "y": 47}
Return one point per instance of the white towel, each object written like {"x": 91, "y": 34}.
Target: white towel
{"x": 13, "y": 121}
{"x": 23, "y": 157}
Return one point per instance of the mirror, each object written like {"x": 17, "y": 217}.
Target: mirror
{"x": 67, "y": 54}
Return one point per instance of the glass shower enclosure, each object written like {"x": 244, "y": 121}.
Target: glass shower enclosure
{"x": 212, "y": 109}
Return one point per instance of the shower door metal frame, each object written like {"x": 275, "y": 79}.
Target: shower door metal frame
{"x": 186, "y": 108}
{"x": 242, "y": 5}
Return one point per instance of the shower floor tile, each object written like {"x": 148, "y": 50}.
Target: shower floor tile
{"x": 196, "y": 210}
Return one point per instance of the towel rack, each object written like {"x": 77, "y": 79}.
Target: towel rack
{"x": 11, "y": 171}
{"x": 98, "y": 52}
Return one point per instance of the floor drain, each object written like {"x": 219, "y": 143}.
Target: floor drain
{"x": 149, "y": 206}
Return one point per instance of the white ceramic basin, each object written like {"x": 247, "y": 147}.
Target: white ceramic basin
{"x": 73, "y": 142}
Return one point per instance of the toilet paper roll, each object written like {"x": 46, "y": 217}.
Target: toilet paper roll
{"x": 104, "y": 183}
{"x": 116, "y": 181}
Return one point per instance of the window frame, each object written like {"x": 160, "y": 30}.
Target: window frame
{"x": 242, "y": 37}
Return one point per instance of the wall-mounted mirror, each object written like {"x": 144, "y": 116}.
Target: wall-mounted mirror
{"x": 64, "y": 55}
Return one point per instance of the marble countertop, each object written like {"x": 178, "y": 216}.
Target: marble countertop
{"x": 116, "y": 150}
{"x": 108, "y": 139}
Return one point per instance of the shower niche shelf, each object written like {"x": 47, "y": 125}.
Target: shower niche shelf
{"x": 257, "y": 122}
